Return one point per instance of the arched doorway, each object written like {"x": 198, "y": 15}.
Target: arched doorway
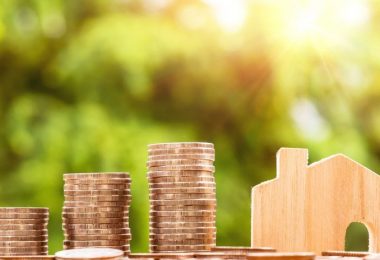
{"x": 357, "y": 237}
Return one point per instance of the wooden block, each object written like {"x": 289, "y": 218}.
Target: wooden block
{"x": 309, "y": 207}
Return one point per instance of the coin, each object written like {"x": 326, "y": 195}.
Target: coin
{"x": 96, "y": 192}
{"x": 24, "y": 227}
{"x": 94, "y": 243}
{"x": 180, "y": 145}
{"x": 94, "y": 220}
{"x": 182, "y": 224}
{"x": 96, "y": 175}
{"x": 102, "y": 181}
{"x": 242, "y": 249}
{"x": 89, "y": 253}
{"x": 184, "y": 167}
{"x": 181, "y": 151}
{"x": 345, "y": 253}
{"x": 23, "y": 215}
{"x": 220, "y": 255}
{"x": 182, "y": 219}
{"x": 182, "y": 190}
{"x": 210, "y": 157}
{"x": 98, "y": 198}
{"x": 29, "y": 257}
{"x": 23, "y": 238}
{"x": 8, "y": 232}
{"x": 98, "y": 237}
{"x": 124, "y": 248}
{"x": 96, "y": 215}
{"x": 204, "y": 247}
{"x": 285, "y": 256}
{"x": 180, "y": 236}
{"x": 176, "y": 179}
{"x": 10, "y": 221}
{"x": 23, "y": 243}
{"x": 26, "y": 250}
{"x": 108, "y": 231}
{"x": 96, "y": 203}
{"x": 23, "y": 210}
{"x": 183, "y": 202}
{"x": 175, "y": 185}
{"x": 158, "y": 163}
{"x": 79, "y": 227}
{"x": 183, "y": 208}
{"x": 182, "y": 230}
{"x": 122, "y": 186}
{"x": 182, "y": 213}
{"x": 158, "y": 242}
{"x": 94, "y": 209}
{"x": 181, "y": 196}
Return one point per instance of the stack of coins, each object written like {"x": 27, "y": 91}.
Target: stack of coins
{"x": 23, "y": 231}
{"x": 96, "y": 210}
{"x": 182, "y": 196}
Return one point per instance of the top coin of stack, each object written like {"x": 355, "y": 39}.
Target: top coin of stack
{"x": 23, "y": 231}
{"x": 90, "y": 253}
{"x": 96, "y": 210}
{"x": 182, "y": 196}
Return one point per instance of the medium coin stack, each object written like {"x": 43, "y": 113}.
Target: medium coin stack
{"x": 182, "y": 196}
{"x": 96, "y": 210}
{"x": 23, "y": 231}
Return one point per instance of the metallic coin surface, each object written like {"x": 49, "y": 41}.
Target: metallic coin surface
{"x": 181, "y": 196}
{"x": 180, "y": 145}
{"x": 182, "y": 190}
{"x": 94, "y": 209}
{"x": 89, "y": 253}
{"x": 184, "y": 167}
{"x": 95, "y": 192}
{"x": 158, "y": 163}
{"x": 24, "y": 238}
{"x": 183, "y": 202}
{"x": 9, "y": 215}
{"x": 23, "y": 243}
{"x": 283, "y": 255}
{"x": 242, "y": 249}
{"x": 183, "y": 208}
{"x": 96, "y": 203}
{"x": 41, "y": 232}
{"x": 95, "y": 226}
{"x": 175, "y": 179}
{"x": 11, "y": 221}
{"x": 210, "y": 157}
{"x": 23, "y": 227}
{"x": 94, "y": 220}
{"x": 78, "y": 187}
{"x": 204, "y": 247}
{"x": 95, "y": 243}
{"x": 180, "y": 236}
{"x": 180, "y": 151}
{"x": 77, "y": 237}
{"x": 175, "y": 185}
{"x": 203, "y": 213}
{"x": 97, "y": 175}
{"x": 182, "y": 230}
{"x": 98, "y": 198}
{"x": 182, "y": 224}
{"x": 91, "y": 232}
{"x": 119, "y": 214}
{"x": 90, "y": 182}
{"x": 172, "y": 242}
{"x": 24, "y": 210}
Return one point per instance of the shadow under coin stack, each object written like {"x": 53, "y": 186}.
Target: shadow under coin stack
{"x": 23, "y": 231}
{"x": 96, "y": 210}
{"x": 182, "y": 196}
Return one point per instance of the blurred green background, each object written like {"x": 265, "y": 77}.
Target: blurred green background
{"x": 86, "y": 85}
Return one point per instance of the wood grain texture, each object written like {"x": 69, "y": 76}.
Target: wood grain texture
{"x": 309, "y": 207}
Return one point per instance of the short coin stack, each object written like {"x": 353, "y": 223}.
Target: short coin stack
{"x": 23, "y": 231}
{"x": 182, "y": 196}
{"x": 96, "y": 210}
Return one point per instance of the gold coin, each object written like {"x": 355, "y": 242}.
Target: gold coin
{"x": 23, "y": 227}
{"x": 176, "y": 185}
{"x": 180, "y": 145}
{"x": 82, "y": 187}
{"x": 182, "y": 190}
{"x": 184, "y": 167}
{"x": 26, "y": 250}
{"x": 10, "y": 221}
{"x": 94, "y": 209}
{"x": 98, "y": 237}
{"x": 182, "y": 230}
{"x": 24, "y": 215}
{"x": 96, "y": 175}
{"x": 181, "y": 237}
{"x": 177, "y": 225}
{"x": 24, "y": 238}
{"x": 242, "y": 249}
{"x": 158, "y": 242}
{"x": 166, "y": 255}
{"x": 79, "y": 227}
{"x": 176, "y": 179}
{"x": 285, "y": 256}
{"x": 8, "y": 232}
{"x": 183, "y": 202}
{"x": 181, "y": 151}
{"x": 23, "y": 243}
{"x": 209, "y": 157}
{"x": 181, "y": 196}
{"x": 181, "y": 219}
{"x": 182, "y": 213}
{"x": 183, "y": 208}
{"x": 95, "y": 243}
{"x": 94, "y": 220}
{"x": 13, "y": 210}
{"x": 96, "y": 192}
{"x": 89, "y": 253}
{"x": 220, "y": 255}
{"x": 96, "y": 204}
{"x": 95, "y": 215}
{"x": 93, "y": 232}
{"x": 159, "y": 163}
{"x": 98, "y": 198}
{"x": 103, "y": 181}
{"x": 204, "y": 247}
{"x": 124, "y": 248}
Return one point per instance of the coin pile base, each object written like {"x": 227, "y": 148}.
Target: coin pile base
{"x": 96, "y": 211}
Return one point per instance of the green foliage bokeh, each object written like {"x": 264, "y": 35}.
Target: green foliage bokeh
{"x": 86, "y": 85}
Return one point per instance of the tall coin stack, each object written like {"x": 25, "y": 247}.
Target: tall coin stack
{"x": 23, "y": 231}
{"x": 96, "y": 210}
{"x": 182, "y": 196}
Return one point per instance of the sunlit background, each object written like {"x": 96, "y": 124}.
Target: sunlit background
{"x": 86, "y": 85}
